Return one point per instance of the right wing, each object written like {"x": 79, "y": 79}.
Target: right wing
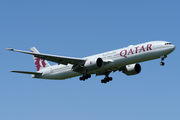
{"x": 54, "y": 58}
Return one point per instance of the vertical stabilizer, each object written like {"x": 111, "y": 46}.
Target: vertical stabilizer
{"x": 40, "y": 63}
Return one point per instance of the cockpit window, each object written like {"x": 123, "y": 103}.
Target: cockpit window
{"x": 168, "y": 43}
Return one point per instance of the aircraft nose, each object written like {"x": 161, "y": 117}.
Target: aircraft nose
{"x": 173, "y": 47}
{"x": 170, "y": 47}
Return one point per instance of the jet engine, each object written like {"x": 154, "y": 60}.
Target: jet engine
{"x": 132, "y": 69}
{"x": 94, "y": 64}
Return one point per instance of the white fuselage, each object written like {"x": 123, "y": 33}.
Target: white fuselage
{"x": 116, "y": 58}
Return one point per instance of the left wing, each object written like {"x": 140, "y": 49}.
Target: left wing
{"x": 54, "y": 58}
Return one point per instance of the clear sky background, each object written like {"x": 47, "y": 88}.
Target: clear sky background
{"x": 80, "y": 28}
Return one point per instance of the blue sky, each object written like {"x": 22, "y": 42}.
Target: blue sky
{"x": 78, "y": 29}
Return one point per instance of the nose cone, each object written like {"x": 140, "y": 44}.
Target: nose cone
{"x": 173, "y": 47}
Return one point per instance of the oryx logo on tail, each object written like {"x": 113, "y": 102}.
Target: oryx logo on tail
{"x": 40, "y": 63}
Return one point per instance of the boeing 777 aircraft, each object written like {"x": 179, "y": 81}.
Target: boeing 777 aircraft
{"x": 125, "y": 59}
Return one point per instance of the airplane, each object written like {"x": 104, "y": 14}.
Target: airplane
{"x": 125, "y": 59}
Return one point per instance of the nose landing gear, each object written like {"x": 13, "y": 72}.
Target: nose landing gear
{"x": 162, "y": 63}
{"x": 162, "y": 59}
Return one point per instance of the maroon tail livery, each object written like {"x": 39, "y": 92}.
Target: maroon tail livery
{"x": 40, "y": 63}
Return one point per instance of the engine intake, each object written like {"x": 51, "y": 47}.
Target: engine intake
{"x": 132, "y": 69}
{"x": 94, "y": 64}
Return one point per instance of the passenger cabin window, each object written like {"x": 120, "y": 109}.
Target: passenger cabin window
{"x": 168, "y": 43}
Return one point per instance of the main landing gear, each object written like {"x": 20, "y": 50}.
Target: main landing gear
{"x": 85, "y": 76}
{"x": 106, "y": 79}
{"x": 162, "y": 59}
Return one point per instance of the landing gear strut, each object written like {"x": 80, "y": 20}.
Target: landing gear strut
{"x": 162, "y": 59}
{"x": 106, "y": 79}
{"x": 85, "y": 76}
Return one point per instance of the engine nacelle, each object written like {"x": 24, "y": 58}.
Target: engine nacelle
{"x": 132, "y": 69}
{"x": 94, "y": 64}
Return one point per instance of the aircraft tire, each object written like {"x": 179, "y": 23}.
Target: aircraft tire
{"x": 89, "y": 76}
{"x": 110, "y": 78}
{"x": 162, "y": 63}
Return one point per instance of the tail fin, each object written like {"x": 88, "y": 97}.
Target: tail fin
{"x": 40, "y": 63}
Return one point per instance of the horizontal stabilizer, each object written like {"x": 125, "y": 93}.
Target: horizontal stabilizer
{"x": 26, "y": 72}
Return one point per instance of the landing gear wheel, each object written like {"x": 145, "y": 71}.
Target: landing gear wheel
{"x": 162, "y": 63}
{"x": 89, "y": 76}
{"x": 102, "y": 81}
{"x": 84, "y": 77}
{"x": 110, "y": 78}
{"x": 106, "y": 79}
